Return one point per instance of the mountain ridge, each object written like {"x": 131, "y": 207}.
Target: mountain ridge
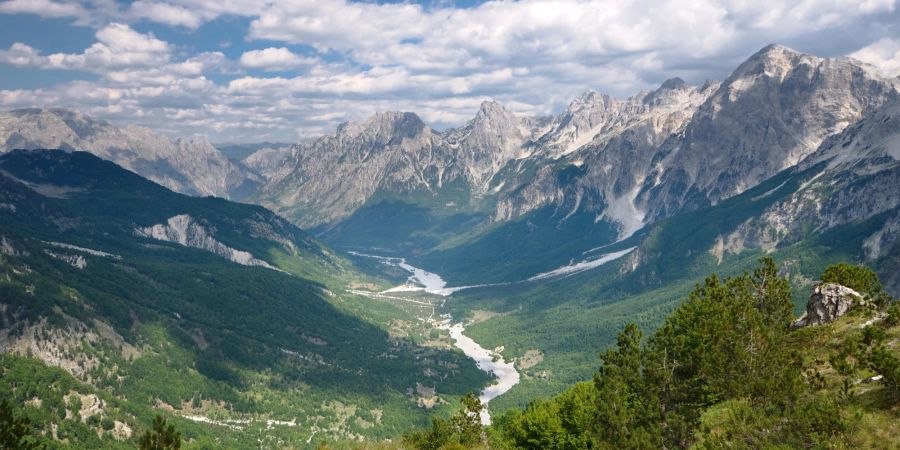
{"x": 192, "y": 166}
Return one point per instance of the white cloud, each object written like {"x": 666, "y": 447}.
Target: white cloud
{"x": 274, "y": 59}
{"x": 338, "y": 24}
{"x": 439, "y": 61}
{"x": 117, "y": 47}
{"x": 44, "y": 8}
{"x": 22, "y": 55}
{"x": 529, "y": 32}
{"x": 166, "y": 13}
{"x": 883, "y": 53}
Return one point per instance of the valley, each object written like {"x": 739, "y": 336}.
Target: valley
{"x": 353, "y": 287}
{"x": 430, "y": 283}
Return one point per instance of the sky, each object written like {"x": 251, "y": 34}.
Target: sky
{"x": 280, "y": 70}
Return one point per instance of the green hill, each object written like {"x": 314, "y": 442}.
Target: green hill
{"x": 138, "y": 323}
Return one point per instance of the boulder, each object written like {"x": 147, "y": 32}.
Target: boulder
{"x": 827, "y": 302}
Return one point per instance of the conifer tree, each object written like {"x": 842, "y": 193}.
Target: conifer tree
{"x": 161, "y": 437}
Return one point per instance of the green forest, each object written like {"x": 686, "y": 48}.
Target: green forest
{"x": 725, "y": 370}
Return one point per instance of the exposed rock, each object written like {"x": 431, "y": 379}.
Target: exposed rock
{"x": 121, "y": 431}
{"x": 76, "y": 261}
{"x": 191, "y": 166}
{"x": 7, "y": 248}
{"x": 614, "y": 144}
{"x": 769, "y": 114}
{"x": 184, "y": 230}
{"x": 858, "y": 177}
{"x": 827, "y": 303}
{"x": 64, "y": 347}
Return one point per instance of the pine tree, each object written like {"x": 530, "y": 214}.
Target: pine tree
{"x": 161, "y": 437}
{"x": 623, "y": 417}
{"x": 15, "y": 431}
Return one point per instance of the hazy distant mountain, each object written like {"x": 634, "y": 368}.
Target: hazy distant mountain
{"x": 191, "y": 166}
{"x": 267, "y": 161}
{"x": 238, "y": 152}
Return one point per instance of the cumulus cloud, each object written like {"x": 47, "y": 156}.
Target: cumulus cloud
{"x": 44, "y": 8}
{"x": 274, "y": 59}
{"x": 117, "y": 47}
{"x": 166, "y": 13}
{"x": 341, "y": 60}
{"x": 883, "y": 53}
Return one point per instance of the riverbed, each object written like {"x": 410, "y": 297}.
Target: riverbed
{"x": 487, "y": 360}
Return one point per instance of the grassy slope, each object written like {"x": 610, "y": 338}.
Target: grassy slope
{"x": 869, "y": 408}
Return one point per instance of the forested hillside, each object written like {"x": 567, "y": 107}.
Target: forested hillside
{"x": 122, "y": 300}
{"x": 727, "y": 370}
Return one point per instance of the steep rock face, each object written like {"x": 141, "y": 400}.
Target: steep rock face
{"x": 267, "y": 161}
{"x": 628, "y": 162}
{"x": 854, "y": 176}
{"x": 585, "y": 118}
{"x": 489, "y": 141}
{"x": 184, "y": 230}
{"x": 615, "y": 154}
{"x": 773, "y": 111}
{"x": 329, "y": 178}
{"x": 190, "y": 166}
{"x": 827, "y": 303}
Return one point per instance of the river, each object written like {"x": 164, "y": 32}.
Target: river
{"x": 487, "y": 360}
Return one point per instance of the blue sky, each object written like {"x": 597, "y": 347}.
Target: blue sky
{"x": 245, "y": 70}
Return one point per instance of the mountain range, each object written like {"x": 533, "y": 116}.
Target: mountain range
{"x": 551, "y": 233}
{"x": 191, "y": 166}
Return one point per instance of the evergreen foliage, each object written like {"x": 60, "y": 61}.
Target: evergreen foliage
{"x": 463, "y": 429}
{"x": 161, "y": 437}
{"x": 859, "y": 278}
{"x": 723, "y": 371}
{"x": 15, "y": 430}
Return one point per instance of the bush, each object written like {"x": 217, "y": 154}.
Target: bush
{"x": 462, "y": 430}
{"x": 107, "y": 424}
{"x": 859, "y": 278}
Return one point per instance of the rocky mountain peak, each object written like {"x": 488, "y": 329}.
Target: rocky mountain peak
{"x": 491, "y": 111}
{"x": 492, "y": 115}
{"x": 590, "y": 100}
{"x": 774, "y": 110}
{"x": 388, "y": 127}
{"x": 673, "y": 90}
{"x": 672, "y": 83}
{"x": 773, "y": 60}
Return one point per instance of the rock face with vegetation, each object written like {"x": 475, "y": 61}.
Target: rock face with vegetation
{"x": 635, "y": 160}
{"x": 827, "y": 303}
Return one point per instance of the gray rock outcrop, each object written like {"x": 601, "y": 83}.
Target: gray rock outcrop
{"x": 827, "y": 303}
{"x": 184, "y": 230}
